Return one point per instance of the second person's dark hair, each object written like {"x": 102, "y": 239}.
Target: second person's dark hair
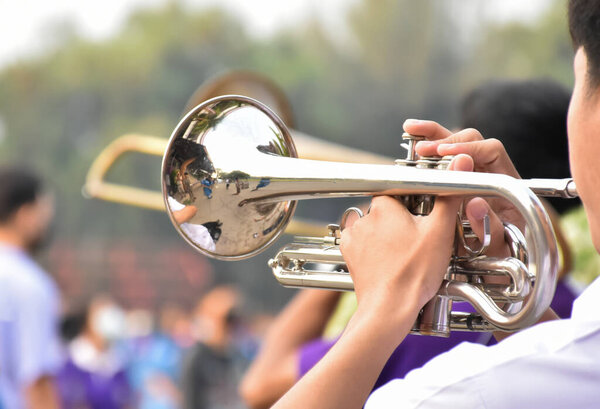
{"x": 530, "y": 119}
{"x": 17, "y": 188}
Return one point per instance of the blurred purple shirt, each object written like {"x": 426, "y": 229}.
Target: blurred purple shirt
{"x": 79, "y": 388}
{"x": 416, "y": 350}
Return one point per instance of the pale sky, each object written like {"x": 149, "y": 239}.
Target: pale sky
{"x": 24, "y": 24}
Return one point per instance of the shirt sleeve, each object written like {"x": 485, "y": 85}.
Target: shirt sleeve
{"x": 436, "y": 385}
{"x": 551, "y": 365}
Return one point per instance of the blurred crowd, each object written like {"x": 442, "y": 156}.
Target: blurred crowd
{"x": 117, "y": 358}
{"x": 100, "y": 355}
{"x": 103, "y": 356}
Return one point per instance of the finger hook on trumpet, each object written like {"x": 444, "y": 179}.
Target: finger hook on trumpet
{"x": 463, "y": 231}
{"x": 347, "y": 213}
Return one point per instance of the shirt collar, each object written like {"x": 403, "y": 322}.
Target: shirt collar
{"x": 587, "y": 305}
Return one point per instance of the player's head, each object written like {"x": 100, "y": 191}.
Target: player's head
{"x": 584, "y": 111}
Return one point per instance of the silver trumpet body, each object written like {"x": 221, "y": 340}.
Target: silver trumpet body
{"x": 231, "y": 178}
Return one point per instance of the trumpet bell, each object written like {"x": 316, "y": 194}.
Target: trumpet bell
{"x": 208, "y": 195}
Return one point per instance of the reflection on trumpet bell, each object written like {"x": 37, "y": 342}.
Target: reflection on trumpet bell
{"x": 201, "y": 169}
{"x": 235, "y": 163}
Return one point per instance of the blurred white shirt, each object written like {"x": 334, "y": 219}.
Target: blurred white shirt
{"x": 555, "y": 364}
{"x": 29, "y": 312}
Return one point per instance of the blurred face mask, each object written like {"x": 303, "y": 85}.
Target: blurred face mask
{"x": 109, "y": 323}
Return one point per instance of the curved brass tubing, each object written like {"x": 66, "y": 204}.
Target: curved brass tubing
{"x": 96, "y": 187}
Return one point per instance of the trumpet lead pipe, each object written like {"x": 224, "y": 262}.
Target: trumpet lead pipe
{"x": 564, "y": 188}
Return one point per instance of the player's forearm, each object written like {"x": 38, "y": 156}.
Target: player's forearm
{"x": 305, "y": 317}
{"x": 346, "y": 375}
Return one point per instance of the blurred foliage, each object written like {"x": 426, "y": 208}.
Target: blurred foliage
{"x": 541, "y": 49}
{"x": 586, "y": 259}
{"x": 401, "y": 59}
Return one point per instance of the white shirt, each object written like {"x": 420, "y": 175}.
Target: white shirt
{"x": 197, "y": 233}
{"x": 87, "y": 357}
{"x": 555, "y": 364}
{"x": 29, "y": 311}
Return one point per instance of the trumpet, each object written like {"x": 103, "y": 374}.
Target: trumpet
{"x": 231, "y": 179}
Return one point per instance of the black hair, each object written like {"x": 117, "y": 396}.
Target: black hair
{"x": 73, "y": 324}
{"x": 530, "y": 118}
{"x": 584, "y": 26}
{"x": 18, "y": 187}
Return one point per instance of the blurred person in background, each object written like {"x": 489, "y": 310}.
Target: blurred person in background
{"x": 213, "y": 367}
{"x": 30, "y": 352}
{"x": 156, "y": 355}
{"x": 519, "y": 113}
{"x": 94, "y": 375}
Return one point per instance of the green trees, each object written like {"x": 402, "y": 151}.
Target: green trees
{"x": 400, "y": 59}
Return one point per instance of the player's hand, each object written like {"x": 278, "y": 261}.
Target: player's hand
{"x": 394, "y": 255}
{"x": 488, "y": 155}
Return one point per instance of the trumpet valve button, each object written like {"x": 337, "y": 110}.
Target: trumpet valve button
{"x": 411, "y": 154}
{"x": 405, "y": 162}
{"x": 409, "y": 136}
{"x": 333, "y": 229}
{"x": 428, "y": 162}
{"x": 444, "y": 162}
